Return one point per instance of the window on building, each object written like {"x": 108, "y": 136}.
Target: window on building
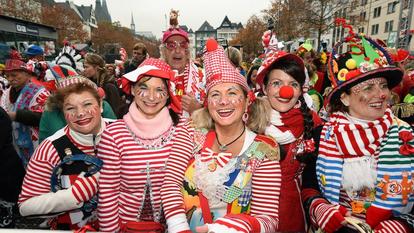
{"x": 362, "y": 16}
{"x": 364, "y": 2}
{"x": 388, "y": 26}
{"x": 391, "y": 7}
{"x": 361, "y": 30}
{"x": 374, "y": 29}
{"x": 377, "y": 12}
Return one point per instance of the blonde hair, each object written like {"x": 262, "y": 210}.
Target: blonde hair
{"x": 259, "y": 116}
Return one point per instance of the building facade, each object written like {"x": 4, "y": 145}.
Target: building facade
{"x": 228, "y": 30}
{"x": 202, "y": 34}
{"x": 21, "y": 33}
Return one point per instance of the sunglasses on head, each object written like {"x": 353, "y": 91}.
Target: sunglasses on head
{"x": 171, "y": 45}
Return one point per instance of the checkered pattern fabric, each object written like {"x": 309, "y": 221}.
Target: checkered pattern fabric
{"x": 15, "y": 64}
{"x": 74, "y": 80}
{"x": 244, "y": 198}
{"x": 219, "y": 69}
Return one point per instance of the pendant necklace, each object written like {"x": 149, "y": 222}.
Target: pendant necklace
{"x": 224, "y": 147}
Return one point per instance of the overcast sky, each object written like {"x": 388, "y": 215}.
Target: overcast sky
{"x": 149, "y": 15}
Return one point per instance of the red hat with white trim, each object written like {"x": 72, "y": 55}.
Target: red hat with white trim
{"x": 151, "y": 67}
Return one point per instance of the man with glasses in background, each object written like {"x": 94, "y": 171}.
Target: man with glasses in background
{"x": 189, "y": 84}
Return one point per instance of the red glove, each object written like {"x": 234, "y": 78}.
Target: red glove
{"x": 376, "y": 215}
{"x": 327, "y": 216}
{"x": 391, "y": 226}
{"x": 85, "y": 188}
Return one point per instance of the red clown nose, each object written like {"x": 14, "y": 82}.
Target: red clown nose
{"x": 286, "y": 92}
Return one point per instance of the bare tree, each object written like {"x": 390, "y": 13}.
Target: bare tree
{"x": 250, "y": 37}
{"x": 67, "y": 23}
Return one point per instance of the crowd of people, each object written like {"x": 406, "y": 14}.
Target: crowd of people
{"x": 300, "y": 141}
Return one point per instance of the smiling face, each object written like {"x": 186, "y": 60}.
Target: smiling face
{"x": 150, "y": 95}
{"x": 367, "y": 100}
{"x": 226, "y": 104}
{"x": 82, "y": 112}
{"x": 278, "y": 79}
{"x": 176, "y": 53}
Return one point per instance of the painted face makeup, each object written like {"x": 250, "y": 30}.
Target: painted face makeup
{"x": 82, "y": 113}
{"x": 226, "y": 104}
{"x": 150, "y": 96}
{"x": 368, "y": 100}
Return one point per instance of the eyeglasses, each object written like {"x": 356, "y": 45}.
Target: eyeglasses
{"x": 171, "y": 45}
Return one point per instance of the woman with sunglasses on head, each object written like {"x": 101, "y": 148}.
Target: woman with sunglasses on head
{"x": 282, "y": 78}
{"x": 60, "y": 179}
{"x": 144, "y": 155}
{"x": 233, "y": 183}
{"x": 365, "y": 163}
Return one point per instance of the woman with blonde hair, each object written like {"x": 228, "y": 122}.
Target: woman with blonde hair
{"x": 233, "y": 182}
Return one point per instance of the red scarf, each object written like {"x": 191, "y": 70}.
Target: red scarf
{"x": 293, "y": 120}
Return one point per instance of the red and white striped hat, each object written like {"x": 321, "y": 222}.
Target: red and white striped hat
{"x": 219, "y": 69}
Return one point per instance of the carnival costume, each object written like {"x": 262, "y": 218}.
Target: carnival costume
{"x": 30, "y": 98}
{"x": 36, "y": 197}
{"x": 364, "y": 167}
{"x": 288, "y": 130}
{"x": 232, "y": 193}
{"x": 144, "y": 163}
{"x": 192, "y": 80}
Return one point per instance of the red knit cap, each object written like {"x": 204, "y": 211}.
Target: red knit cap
{"x": 219, "y": 69}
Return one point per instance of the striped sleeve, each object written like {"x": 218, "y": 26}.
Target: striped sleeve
{"x": 38, "y": 173}
{"x": 171, "y": 197}
{"x": 109, "y": 183}
{"x": 266, "y": 184}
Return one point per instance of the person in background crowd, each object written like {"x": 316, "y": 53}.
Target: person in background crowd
{"x": 53, "y": 118}
{"x": 95, "y": 70}
{"x": 144, "y": 155}
{"x": 110, "y": 69}
{"x": 81, "y": 105}
{"x": 188, "y": 85}
{"x": 24, "y": 102}
{"x": 4, "y": 84}
{"x": 235, "y": 56}
{"x": 233, "y": 183}
{"x": 11, "y": 173}
{"x": 365, "y": 163}
{"x": 34, "y": 53}
{"x": 139, "y": 53}
{"x": 251, "y": 77}
{"x": 282, "y": 78}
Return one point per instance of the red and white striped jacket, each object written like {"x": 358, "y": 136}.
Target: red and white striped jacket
{"x": 123, "y": 176}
